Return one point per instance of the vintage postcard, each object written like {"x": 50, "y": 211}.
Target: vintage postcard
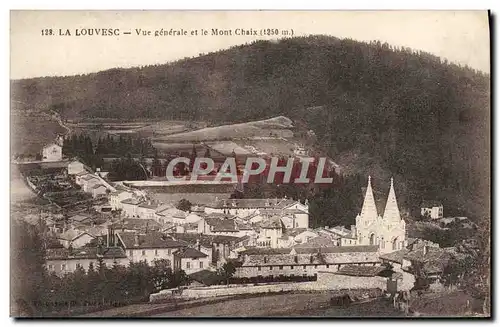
{"x": 250, "y": 164}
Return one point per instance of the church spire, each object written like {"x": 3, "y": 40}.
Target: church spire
{"x": 369, "y": 210}
{"x": 391, "y": 212}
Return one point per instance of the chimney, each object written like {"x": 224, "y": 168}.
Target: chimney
{"x": 136, "y": 240}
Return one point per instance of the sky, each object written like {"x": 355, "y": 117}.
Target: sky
{"x": 459, "y": 36}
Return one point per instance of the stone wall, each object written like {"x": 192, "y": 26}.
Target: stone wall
{"x": 326, "y": 282}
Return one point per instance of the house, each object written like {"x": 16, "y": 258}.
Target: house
{"x": 148, "y": 246}
{"x": 52, "y": 152}
{"x": 218, "y": 224}
{"x": 168, "y": 213}
{"x": 130, "y": 205}
{"x": 61, "y": 261}
{"x": 432, "y": 209}
{"x": 74, "y": 238}
{"x": 245, "y": 207}
{"x": 98, "y": 191}
{"x": 146, "y": 210}
{"x": 115, "y": 198}
{"x": 270, "y": 231}
{"x": 265, "y": 262}
{"x": 420, "y": 256}
{"x": 79, "y": 219}
{"x": 89, "y": 182}
{"x": 190, "y": 260}
{"x": 76, "y": 167}
{"x": 344, "y": 235}
{"x": 291, "y": 217}
{"x": 136, "y": 225}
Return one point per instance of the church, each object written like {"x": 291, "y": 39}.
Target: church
{"x": 387, "y": 231}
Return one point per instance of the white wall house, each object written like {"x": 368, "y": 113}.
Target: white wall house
{"x": 52, "y": 152}
{"x": 433, "y": 209}
{"x": 149, "y": 246}
{"x": 117, "y": 197}
{"x": 76, "y": 167}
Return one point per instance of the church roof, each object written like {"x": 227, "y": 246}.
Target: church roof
{"x": 369, "y": 209}
{"x": 391, "y": 211}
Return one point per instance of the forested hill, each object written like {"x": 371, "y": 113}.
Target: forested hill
{"x": 419, "y": 117}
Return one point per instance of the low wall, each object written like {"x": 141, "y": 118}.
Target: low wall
{"x": 326, "y": 282}
{"x": 335, "y": 281}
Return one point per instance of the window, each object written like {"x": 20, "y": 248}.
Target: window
{"x": 78, "y": 265}
{"x": 296, "y": 259}
{"x": 315, "y": 266}
{"x": 130, "y": 253}
{"x": 188, "y": 265}
{"x": 304, "y": 266}
{"x": 143, "y": 252}
{"x": 201, "y": 264}
{"x": 156, "y": 252}
{"x": 291, "y": 267}
{"x": 169, "y": 263}
{"x": 259, "y": 268}
{"x": 270, "y": 267}
{"x": 311, "y": 259}
{"x": 63, "y": 267}
{"x": 327, "y": 266}
{"x": 265, "y": 259}
{"x": 51, "y": 267}
{"x": 281, "y": 267}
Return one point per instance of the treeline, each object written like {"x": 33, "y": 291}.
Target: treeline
{"x": 81, "y": 146}
{"x": 103, "y": 286}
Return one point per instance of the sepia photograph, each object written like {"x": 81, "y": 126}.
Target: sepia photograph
{"x": 275, "y": 164}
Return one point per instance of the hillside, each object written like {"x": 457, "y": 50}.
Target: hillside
{"x": 409, "y": 113}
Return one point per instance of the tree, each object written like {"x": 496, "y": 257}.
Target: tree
{"x": 184, "y": 205}
{"x": 28, "y": 274}
{"x": 227, "y": 271}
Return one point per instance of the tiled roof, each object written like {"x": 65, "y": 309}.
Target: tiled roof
{"x": 70, "y": 235}
{"x": 355, "y": 270}
{"x": 271, "y": 223}
{"x": 133, "y": 201}
{"x": 84, "y": 253}
{"x": 190, "y": 253}
{"x": 262, "y": 251}
{"x": 221, "y": 225}
{"x": 320, "y": 241}
{"x": 252, "y": 203}
{"x": 79, "y": 218}
{"x": 205, "y": 240}
{"x": 431, "y": 204}
{"x": 339, "y": 249}
{"x": 396, "y": 256}
{"x": 98, "y": 186}
{"x": 320, "y": 256}
{"x": 151, "y": 240}
{"x": 136, "y": 224}
{"x": 148, "y": 205}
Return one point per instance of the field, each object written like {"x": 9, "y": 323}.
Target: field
{"x": 277, "y": 127}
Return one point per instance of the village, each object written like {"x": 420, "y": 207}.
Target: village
{"x": 233, "y": 246}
